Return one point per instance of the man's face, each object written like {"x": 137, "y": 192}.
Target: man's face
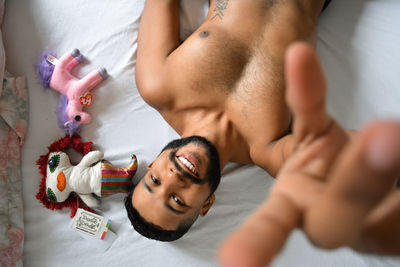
{"x": 176, "y": 187}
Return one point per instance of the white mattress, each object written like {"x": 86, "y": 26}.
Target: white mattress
{"x": 358, "y": 44}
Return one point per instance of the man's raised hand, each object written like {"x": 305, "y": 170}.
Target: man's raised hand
{"x": 338, "y": 189}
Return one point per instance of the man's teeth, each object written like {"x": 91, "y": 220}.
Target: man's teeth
{"x": 187, "y": 164}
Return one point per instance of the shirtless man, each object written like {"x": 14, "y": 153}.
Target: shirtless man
{"x": 225, "y": 84}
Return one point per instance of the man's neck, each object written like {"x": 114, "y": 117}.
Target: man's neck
{"x": 216, "y": 127}
{"x": 228, "y": 145}
{"x": 223, "y": 150}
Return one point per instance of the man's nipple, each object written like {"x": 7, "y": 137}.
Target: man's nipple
{"x": 204, "y": 34}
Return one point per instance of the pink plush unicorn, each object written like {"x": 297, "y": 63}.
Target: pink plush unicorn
{"x": 75, "y": 93}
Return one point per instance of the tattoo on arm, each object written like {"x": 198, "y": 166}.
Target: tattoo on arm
{"x": 219, "y": 9}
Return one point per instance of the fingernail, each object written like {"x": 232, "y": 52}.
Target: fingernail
{"x": 383, "y": 151}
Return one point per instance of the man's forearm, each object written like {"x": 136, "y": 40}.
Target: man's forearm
{"x": 158, "y": 34}
{"x": 158, "y": 37}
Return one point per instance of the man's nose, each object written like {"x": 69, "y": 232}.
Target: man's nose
{"x": 172, "y": 182}
{"x": 177, "y": 178}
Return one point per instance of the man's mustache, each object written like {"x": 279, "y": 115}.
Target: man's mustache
{"x": 185, "y": 174}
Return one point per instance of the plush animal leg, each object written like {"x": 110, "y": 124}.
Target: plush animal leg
{"x": 91, "y": 158}
{"x": 87, "y": 83}
{"x": 69, "y": 60}
{"x": 78, "y": 58}
{"x": 61, "y": 78}
{"x": 90, "y": 200}
{"x": 116, "y": 180}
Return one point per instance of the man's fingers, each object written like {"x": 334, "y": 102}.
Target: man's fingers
{"x": 382, "y": 231}
{"x": 364, "y": 174}
{"x": 262, "y": 236}
{"x": 306, "y": 89}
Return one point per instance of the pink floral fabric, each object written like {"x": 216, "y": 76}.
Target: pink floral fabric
{"x": 13, "y": 125}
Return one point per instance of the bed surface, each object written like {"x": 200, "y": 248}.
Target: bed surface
{"x": 358, "y": 44}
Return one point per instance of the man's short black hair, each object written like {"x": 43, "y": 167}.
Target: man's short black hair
{"x": 152, "y": 231}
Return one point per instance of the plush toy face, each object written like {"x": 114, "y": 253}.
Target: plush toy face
{"x": 57, "y": 189}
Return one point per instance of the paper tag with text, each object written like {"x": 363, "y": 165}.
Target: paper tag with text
{"x": 94, "y": 228}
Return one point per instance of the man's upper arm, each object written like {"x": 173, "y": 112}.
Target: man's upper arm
{"x": 158, "y": 37}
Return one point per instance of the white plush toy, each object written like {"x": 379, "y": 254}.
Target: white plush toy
{"x": 91, "y": 176}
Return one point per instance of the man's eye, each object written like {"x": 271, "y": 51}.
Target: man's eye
{"x": 178, "y": 201}
{"x": 155, "y": 180}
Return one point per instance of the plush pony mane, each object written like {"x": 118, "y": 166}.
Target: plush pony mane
{"x": 70, "y": 128}
{"x": 73, "y": 201}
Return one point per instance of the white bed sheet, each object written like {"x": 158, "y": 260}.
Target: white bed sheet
{"x": 358, "y": 44}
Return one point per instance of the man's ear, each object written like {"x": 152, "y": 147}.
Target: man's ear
{"x": 207, "y": 205}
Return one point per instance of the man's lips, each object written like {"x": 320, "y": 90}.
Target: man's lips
{"x": 190, "y": 163}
